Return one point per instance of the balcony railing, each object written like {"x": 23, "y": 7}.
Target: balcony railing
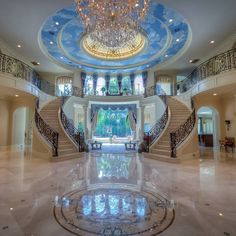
{"x": 223, "y": 62}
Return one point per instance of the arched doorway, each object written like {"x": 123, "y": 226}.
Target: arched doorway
{"x": 208, "y": 127}
{"x": 22, "y": 127}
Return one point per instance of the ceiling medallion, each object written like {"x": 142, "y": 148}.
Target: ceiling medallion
{"x": 124, "y": 51}
{"x": 112, "y": 24}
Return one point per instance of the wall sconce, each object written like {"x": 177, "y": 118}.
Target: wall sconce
{"x": 227, "y": 123}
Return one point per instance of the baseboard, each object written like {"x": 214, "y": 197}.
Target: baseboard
{"x": 188, "y": 156}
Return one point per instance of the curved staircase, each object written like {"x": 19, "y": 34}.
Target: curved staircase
{"x": 66, "y": 149}
{"x": 178, "y": 115}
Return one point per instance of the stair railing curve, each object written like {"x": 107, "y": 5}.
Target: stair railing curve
{"x": 154, "y": 133}
{"x": 71, "y": 130}
{"x": 46, "y": 131}
{"x": 181, "y": 133}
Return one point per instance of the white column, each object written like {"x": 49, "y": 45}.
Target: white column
{"x": 89, "y": 125}
{"x": 140, "y": 123}
{"x": 85, "y": 122}
{"x": 77, "y": 79}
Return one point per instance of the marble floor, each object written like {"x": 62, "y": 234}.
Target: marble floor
{"x": 117, "y": 194}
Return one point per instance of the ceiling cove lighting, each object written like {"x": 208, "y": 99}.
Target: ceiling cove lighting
{"x": 110, "y": 22}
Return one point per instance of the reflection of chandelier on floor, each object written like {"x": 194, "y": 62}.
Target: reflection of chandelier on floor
{"x": 112, "y": 24}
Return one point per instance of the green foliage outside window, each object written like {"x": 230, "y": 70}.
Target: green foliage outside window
{"x": 113, "y": 122}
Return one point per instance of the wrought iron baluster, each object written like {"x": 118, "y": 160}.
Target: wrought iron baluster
{"x": 46, "y": 131}
{"x": 71, "y": 130}
{"x": 152, "y": 135}
{"x": 181, "y": 133}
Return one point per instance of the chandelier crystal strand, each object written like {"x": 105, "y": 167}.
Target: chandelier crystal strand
{"x": 111, "y": 22}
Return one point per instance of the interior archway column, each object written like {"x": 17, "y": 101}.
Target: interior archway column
{"x": 85, "y": 122}
{"x": 140, "y": 123}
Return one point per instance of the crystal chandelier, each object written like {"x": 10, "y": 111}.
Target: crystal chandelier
{"x": 112, "y": 23}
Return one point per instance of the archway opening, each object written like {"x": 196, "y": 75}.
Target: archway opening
{"x": 208, "y": 127}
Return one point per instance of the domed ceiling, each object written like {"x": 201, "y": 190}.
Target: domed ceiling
{"x": 165, "y": 35}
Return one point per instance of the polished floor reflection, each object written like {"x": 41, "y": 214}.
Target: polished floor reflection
{"x": 117, "y": 195}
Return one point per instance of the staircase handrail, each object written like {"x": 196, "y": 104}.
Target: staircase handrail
{"x": 181, "y": 133}
{"x": 153, "y": 134}
{"x": 71, "y": 130}
{"x": 220, "y": 63}
{"x": 47, "y": 132}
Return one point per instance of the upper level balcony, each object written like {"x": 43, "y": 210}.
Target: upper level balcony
{"x": 134, "y": 85}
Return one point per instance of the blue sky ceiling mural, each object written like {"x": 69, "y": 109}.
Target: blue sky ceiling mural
{"x": 167, "y": 34}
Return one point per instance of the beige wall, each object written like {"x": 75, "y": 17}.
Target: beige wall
{"x": 14, "y": 122}
{"x": 229, "y": 113}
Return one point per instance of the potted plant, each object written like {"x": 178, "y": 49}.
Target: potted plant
{"x": 125, "y": 90}
{"x": 103, "y": 89}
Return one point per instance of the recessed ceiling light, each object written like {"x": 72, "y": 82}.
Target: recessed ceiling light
{"x": 214, "y": 94}
{"x": 16, "y": 95}
{"x": 51, "y": 42}
{"x": 170, "y": 20}
{"x": 18, "y": 45}
{"x": 212, "y": 41}
{"x": 177, "y": 40}
{"x": 35, "y": 63}
{"x": 57, "y": 23}
{"x": 193, "y": 61}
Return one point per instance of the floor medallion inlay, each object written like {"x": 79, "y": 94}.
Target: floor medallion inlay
{"x": 114, "y": 212}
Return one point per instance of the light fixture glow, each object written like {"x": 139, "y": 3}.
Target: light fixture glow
{"x": 214, "y": 94}
{"x": 220, "y": 214}
{"x": 17, "y": 95}
{"x": 19, "y": 46}
{"x": 177, "y": 40}
{"x": 112, "y": 23}
{"x": 57, "y": 23}
{"x": 51, "y": 42}
{"x": 212, "y": 41}
{"x": 170, "y": 20}
{"x": 191, "y": 61}
{"x": 166, "y": 55}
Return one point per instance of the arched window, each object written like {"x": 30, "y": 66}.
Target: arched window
{"x": 138, "y": 84}
{"x": 101, "y": 86}
{"x": 64, "y": 85}
{"x": 88, "y": 85}
{"x": 126, "y": 85}
{"x": 113, "y": 86}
